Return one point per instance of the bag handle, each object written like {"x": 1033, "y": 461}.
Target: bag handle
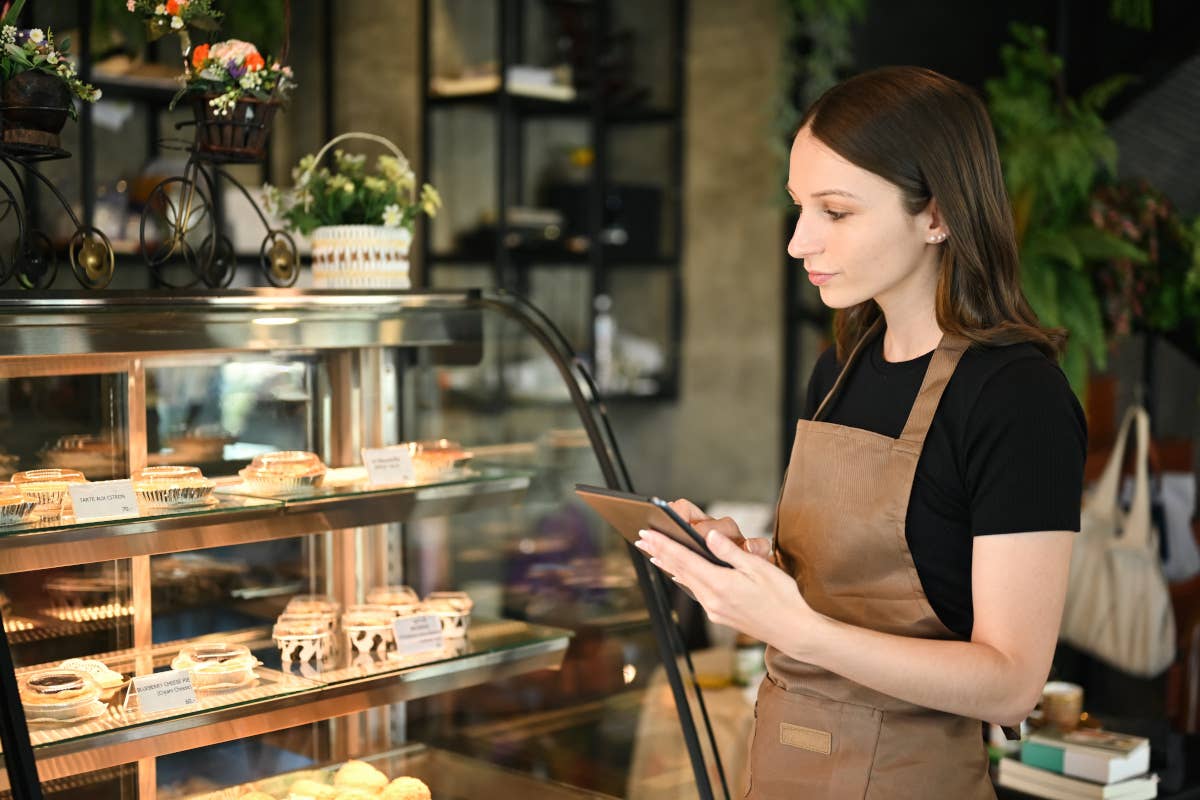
{"x": 370, "y": 137}
{"x": 1136, "y": 530}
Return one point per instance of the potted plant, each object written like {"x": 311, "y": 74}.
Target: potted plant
{"x": 360, "y": 222}
{"x": 39, "y": 84}
{"x": 235, "y": 92}
{"x": 1162, "y": 293}
{"x": 1055, "y": 149}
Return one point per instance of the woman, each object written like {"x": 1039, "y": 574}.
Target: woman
{"x": 916, "y": 580}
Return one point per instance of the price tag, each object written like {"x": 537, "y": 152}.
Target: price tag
{"x": 103, "y": 499}
{"x": 419, "y": 634}
{"x": 162, "y": 691}
{"x": 387, "y": 466}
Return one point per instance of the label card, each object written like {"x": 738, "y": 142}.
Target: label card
{"x": 102, "y": 499}
{"x": 419, "y": 634}
{"x": 387, "y": 466}
{"x": 162, "y": 691}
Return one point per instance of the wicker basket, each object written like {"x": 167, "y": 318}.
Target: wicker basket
{"x": 360, "y": 257}
{"x": 240, "y": 135}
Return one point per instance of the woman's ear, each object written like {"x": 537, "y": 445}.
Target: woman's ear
{"x": 934, "y": 225}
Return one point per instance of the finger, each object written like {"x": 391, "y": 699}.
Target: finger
{"x": 681, "y": 562}
{"x": 726, "y": 527}
{"x": 731, "y": 553}
{"x": 759, "y": 546}
{"x": 688, "y": 510}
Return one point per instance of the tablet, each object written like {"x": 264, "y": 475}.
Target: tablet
{"x": 630, "y": 513}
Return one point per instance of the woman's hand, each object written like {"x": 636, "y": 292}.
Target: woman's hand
{"x": 754, "y": 597}
{"x": 725, "y": 526}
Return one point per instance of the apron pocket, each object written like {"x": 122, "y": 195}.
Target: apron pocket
{"x": 807, "y": 746}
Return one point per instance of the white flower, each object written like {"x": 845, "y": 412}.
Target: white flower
{"x": 36, "y": 36}
{"x": 176, "y": 22}
{"x": 161, "y": 8}
{"x": 96, "y": 95}
{"x": 8, "y": 35}
{"x": 392, "y": 216}
{"x": 52, "y": 57}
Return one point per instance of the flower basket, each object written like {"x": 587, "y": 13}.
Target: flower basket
{"x": 360, "y": 257}
{"x": 240, "y": 135}
{"x": 36, "y": 106}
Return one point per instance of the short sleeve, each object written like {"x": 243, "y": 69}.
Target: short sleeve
{"x": 1025, "y": 444}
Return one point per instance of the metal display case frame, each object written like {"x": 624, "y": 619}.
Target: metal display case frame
{"x": 85, "y": 333}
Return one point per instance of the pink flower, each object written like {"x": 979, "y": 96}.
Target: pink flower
{"x": 131, "y": 5}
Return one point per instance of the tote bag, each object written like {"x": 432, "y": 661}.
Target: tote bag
{"x": 1118, "y": 607}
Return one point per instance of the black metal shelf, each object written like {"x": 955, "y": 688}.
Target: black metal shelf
{"x": 528, "y": 106}
{"x": 551, "y": 258}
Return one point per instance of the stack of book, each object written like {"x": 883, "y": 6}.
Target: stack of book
{"x": 1081, "y": 764}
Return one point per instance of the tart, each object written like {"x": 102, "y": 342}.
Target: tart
{"x": 14, "y": 505}
{"x": 217, "y": 665}
{"x": 60, "y": 696}
{"x": 436, "y": 459}
{"x": 286, "y": 472}
{"x": 48, "y": 488}
{"x": 172, "y": 487}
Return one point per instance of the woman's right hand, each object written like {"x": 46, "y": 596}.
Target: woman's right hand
{"x": 725, "y": 526}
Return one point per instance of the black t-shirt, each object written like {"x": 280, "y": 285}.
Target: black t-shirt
{"x": 1004, "y": 454}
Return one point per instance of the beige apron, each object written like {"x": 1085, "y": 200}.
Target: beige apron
{"x": 840, "y": 532}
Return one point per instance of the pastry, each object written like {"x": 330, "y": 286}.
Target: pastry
{"x": 401, "y": 599}
{"x": 286, "y": 472}
{"x": 104, "y": 677}
{"x": 306, "y": 789}
{"x": 60, "y": 696}
{"x": 406, "y": 788}
{"x": 360, "y": 774}
{"x": 217, "y": 665}
{"x": 355, "y": 793}
{"x": 453, "y": 610}
{"x": 14, "y": 505}
{"x": 254, "y": 794}
{"x": 369, "y": 628}
{"x": 48, "y": 488}
{"x": 302, "y": 638}
{"x": 171, "y": 487}
{"x": 436, "y": 460}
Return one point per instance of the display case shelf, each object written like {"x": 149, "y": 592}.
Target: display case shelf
{"x": 85, "y": 323}
{"x": 237, "y": 519}
{"x": 495, "y": 649}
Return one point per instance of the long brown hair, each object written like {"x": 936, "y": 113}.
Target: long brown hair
{"x": 931, "y": 136}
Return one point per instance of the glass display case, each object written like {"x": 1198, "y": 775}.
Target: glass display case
{"x": 346, "y": 539}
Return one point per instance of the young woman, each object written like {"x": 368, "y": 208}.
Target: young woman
{"x": 916, "y": 579}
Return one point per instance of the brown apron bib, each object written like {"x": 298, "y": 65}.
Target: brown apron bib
{"x": 840, "y": 531}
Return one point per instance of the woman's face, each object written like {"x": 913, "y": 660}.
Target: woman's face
{"x": 856, "y": 238}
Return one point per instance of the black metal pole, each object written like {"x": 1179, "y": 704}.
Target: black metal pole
{"x": 14, "y": 733}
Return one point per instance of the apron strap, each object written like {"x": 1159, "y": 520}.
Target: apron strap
{"x": 875, "y": 328}
{"x": 937, "y": 375}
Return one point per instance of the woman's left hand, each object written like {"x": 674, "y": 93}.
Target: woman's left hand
{"x": 752, "y": 597}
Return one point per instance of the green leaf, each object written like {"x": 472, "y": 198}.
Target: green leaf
{"x": 1097, "y": 245}
{"x": 14, "y": 12}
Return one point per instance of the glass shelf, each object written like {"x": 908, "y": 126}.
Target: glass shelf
{"x": 238, "y": 518}
{"x": 493, "y": 650}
